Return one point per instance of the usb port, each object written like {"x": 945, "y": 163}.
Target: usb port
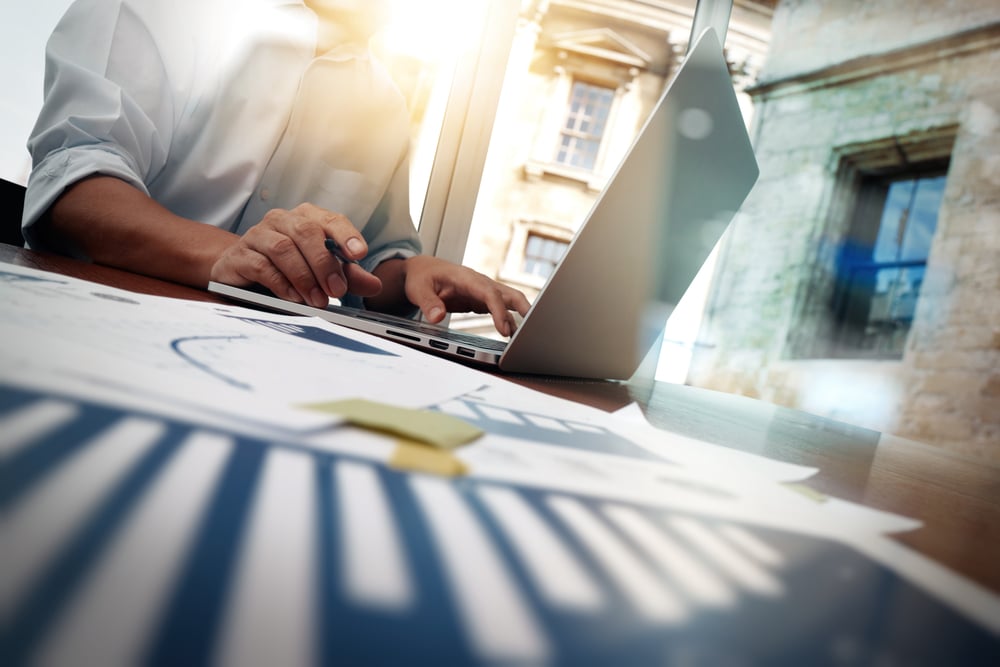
{"x": 467, "y": 352}
{"x": 438, "y": 345}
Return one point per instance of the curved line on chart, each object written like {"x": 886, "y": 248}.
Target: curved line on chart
{"x": 176, "y": 346}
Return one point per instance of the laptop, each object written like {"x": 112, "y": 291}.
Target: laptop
{"x": 650, "y": 230}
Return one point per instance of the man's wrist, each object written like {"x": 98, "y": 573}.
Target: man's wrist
{"x": 392, "y": 299}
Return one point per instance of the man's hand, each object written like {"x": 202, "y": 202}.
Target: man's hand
{"x": 286, "y": 253}
{"x": 437, "y": 286}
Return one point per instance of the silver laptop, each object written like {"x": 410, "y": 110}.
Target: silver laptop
{"x": 651, "y": 229}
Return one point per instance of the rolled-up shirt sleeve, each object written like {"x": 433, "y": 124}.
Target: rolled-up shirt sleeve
{"x": 106, "y": 110}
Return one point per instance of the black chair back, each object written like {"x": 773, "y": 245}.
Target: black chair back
{"x": 11, "y": 209}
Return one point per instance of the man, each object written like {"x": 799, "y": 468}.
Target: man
{"x": 226, "y": 140}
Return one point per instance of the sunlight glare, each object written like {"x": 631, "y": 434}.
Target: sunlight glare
{"x": 433, "y": 29}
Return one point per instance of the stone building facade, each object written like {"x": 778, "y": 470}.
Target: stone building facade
{"x": 861, "y": 280}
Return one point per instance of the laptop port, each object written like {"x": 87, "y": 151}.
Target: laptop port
{"x": 399, "y": 334}
{"x": 467, "y": 352}
{"x": 438, "y": 345}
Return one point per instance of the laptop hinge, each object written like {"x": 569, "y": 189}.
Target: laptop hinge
{"x": 711, "y": 14}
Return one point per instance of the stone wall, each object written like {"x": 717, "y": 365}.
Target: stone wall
{"x": 840, "y": 75}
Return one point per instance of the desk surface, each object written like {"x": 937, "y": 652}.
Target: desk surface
{"x": 957, "y": 499}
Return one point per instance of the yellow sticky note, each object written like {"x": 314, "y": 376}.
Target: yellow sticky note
{"x": 811, "y": 494}
{"x": 415, "y": 457}
{"x": 433, "y": 428}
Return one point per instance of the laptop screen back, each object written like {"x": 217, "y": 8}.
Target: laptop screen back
{"x": 648, "y": 233}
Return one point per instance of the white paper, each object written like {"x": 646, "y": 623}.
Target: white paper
{"x": 208, "y": 358}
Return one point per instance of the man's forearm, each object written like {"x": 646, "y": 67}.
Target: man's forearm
{"x": 117, "y": 225}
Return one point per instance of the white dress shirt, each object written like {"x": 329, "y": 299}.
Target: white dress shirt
{"x": 220, "y": 110}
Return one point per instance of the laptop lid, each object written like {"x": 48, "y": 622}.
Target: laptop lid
{"x": 681, "y": 182}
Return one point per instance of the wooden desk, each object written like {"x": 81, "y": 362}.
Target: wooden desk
{"x": 957, "y": 499}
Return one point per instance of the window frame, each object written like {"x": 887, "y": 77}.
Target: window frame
{"x": 818, "y": 332}
{"x": 512, "y": 270}
{"x": 469, "y": 114}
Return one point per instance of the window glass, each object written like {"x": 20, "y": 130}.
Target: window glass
{"x": 923, "y": 218}
{"x": 542, "y": 254}
{"x": 422, "y": 46}
{"x": 584, "y": 126}
{"x": 909, "y": 219}
{"x": 879, "y": 284}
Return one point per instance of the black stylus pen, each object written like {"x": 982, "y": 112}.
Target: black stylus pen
{"x": 334, "y": 247}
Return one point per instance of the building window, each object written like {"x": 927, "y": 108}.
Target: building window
{"x": 542, "y": 254}
{"x": 882, "y": 262}
{"x": 583, "y": 128}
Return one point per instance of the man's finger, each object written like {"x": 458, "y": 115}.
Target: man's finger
{"x": 337, "y": 227}
{"x": 310, "y": 227}
{"x": 516, "y": 301}
{"x": 425, "y": 297}
{"x": 502, "y": 319}
{"x": 488, "y": 293}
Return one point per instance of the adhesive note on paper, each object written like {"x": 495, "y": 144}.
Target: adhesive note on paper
{"x": 808, "y": 492}
{"x": 416, "y": 457}
{"x": 433, "y": 428}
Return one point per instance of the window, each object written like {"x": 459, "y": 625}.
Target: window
{"x": 530, "y": 256}
{"x": 881, "y": 264}
{"x": 595, "y": 86}
{"x": 542, "y": 254}
{"x": 448, "y": 57}
{"x": 586, "y": 117}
